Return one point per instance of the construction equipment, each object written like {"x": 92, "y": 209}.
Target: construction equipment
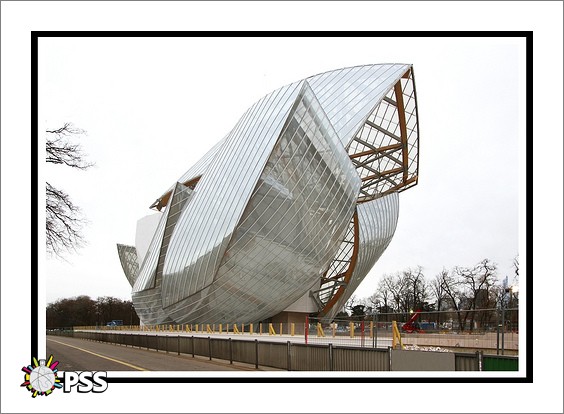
{"x": 411, "y": 326}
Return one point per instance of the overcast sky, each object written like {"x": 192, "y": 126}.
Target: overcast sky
{"x": 153, "y": 106}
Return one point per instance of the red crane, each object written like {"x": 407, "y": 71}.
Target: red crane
{"x": 410, "y": 326}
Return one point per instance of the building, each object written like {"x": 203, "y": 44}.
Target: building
{"x": 289, "y": 212}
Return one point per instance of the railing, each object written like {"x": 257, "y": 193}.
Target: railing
{"x": 281, "y": 355}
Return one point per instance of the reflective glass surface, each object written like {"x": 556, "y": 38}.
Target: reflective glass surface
{"x": 304, "y": 186}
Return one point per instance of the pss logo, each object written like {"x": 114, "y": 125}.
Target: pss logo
{"x": 42, "y": 377}
{"x": 85, "y": 381}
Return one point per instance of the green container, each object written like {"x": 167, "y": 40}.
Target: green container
{"x": 500, "y": 363}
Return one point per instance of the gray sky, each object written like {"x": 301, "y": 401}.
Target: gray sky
{"x": 153, "y": 106}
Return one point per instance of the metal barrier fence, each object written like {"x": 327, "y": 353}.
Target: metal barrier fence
{"x": 281, "y": 355}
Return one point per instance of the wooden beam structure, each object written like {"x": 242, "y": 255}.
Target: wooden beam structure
{"x": 403, "y": 127}
{"x": 348, "y": 273}
{"x": 163, "y": 200}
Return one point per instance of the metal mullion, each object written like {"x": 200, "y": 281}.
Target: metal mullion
{"x": 390, "y": 101}
{"x": 185, "y": 248}
{"x": 284, "y": 169}
{"x": 276, "y": 224}
{"x": 391, "y": 68}
{"x": 278, "y": 99}
{"x": 257, "y": 281}
{"x": 265, "y": 130}
{"x": 335, "y": 94}
{"x": 394, "y": 107}
{"x": 367, "y": 168}
{"x": 278, "y": 176}
{"x": 383, "y": 130}
{"x": 336, "y": 79}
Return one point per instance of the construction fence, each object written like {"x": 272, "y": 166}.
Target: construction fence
{"x": 292, "y": 356}
{"x": 487, "y": 330}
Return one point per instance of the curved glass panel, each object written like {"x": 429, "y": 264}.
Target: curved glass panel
{"x": 291, "y": 227}
{"x": 300, "y": 195}
{"x": 377, "y": 222}
{"x": 147, "y": 295}
{"x": 207, "y": 223}
{"x": 128, "y": 258}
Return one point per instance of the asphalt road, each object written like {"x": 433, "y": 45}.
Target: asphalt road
{"x": 81, "y": 355}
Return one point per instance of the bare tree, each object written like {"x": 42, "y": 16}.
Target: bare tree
{"x": 478, "y": 282}
{"x": 514, "y": 297}
{"x": 438, "y": 292}
{"x": 373, "y": 300}
{"x": 416, "y": 291}
{"x": 395, "y": 286}
{"x": 454, "y": 294}
{"x": 64, "y": 219}
{"x": 438, "y": 289}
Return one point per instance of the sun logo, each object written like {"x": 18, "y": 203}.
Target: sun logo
{"x": 41, "y": 377}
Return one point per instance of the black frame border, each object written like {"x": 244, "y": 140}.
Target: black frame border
{"x": 527, "y": 35}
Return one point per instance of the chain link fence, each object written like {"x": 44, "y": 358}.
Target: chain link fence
{"x": 491, "y": 330}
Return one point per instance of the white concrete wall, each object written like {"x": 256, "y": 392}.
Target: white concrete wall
{"x": 146, "y": 228}
{"x": 304, "y": 304}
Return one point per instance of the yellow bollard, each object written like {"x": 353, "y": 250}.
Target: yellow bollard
{"x": 280, "y": 329}
{"x": 251, "y": 328}
{"x": 271, "y": 330}
{"x": 396, "y": 336}
{"x": 242, "y": 328}
{"x": 235, "y": 329}
{"x": 227, "y": 328}
{"x": 351, "y": 329}
{"x": 197, "y": 330}
{"x": 260, "y": 328}
{"x": 292, "y": 328}
{"x": 320, "y": 333}
{"x": 371, "y": 329}
{"x": 220, "y": 328}
{"x": 208, "y": 329}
